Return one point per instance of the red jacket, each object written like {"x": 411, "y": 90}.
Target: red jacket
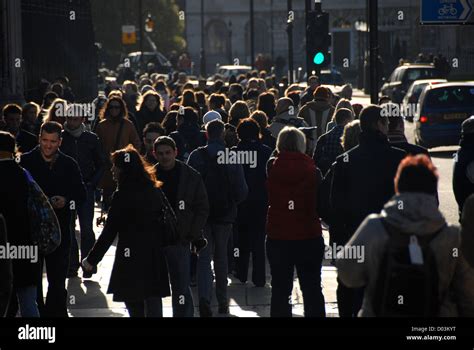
{"x": 292, "y": 190}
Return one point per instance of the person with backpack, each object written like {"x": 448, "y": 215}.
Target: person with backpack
{"x": 60, "y": 178}
{"x": 412, "y": 264}
{"x": 139, "y": 275}
{"x": 188, "y": 135}
{"x": 362, "y": 182}
{"x": 294, "y": 235}
{"x": 285, "y": 116}
{"x": 14, "y": 210}
{"x": 226, "y": 188}
{"x": 185, "y": 190}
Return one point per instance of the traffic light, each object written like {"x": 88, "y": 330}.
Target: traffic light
{"x": 319, "y": 41}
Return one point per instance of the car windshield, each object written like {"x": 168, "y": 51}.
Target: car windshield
{"x": 420, "y": 73}
{"x": 417, "y": 90}
{"x": 451, "y": 97}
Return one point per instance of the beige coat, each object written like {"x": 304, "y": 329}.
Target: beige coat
{"x": 107, "y": 131}
{"x": 413, "y": 213}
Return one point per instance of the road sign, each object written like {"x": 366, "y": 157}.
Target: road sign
{"x": 447, "y": 12}
{"x": 129, "y": 35}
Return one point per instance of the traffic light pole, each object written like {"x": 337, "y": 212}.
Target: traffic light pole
{"x": 318, "y": 10}
{"x": 373, "y": 51}
{"x": 308, "y": 59}
{"x": 252, "y": 35}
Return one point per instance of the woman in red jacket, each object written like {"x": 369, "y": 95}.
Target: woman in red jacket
{"x": 294, "y": 237}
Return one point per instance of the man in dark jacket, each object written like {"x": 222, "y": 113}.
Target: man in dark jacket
{"x": 5, "y": 272}
{"x": 185, "y": 190}
{"x": 362, "y": 183}
{"x": 25, "y": 140}
{"x": 84, "y": 147}
{"x": 14, "y": 207}
{"x": 463, "y": 175}
{"x": 226, "y": 188}
{"x": 60, "y": 179}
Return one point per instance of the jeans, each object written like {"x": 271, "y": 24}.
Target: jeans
{"x": 307, "y": 257}
{"x": 349, "y": 300}
{"x": 178, "y": 258}
{"x": 27, "y": 301}
{"x": 85, "y": 213}
{"x": 150, "y": 307}
{"x": 252, "y": 242}
{"x": 217, "y": 236}
{"x": 57, "y": 265}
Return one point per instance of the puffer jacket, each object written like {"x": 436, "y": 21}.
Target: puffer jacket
{"x": 420, "y": 215}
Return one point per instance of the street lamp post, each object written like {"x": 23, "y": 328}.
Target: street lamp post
{"x": 230, "y": 42}
{"x": 140, "y": 31}
{"x": 252, "y": 35}
{"x": 290, "y": 42}
{"x": 202, "y": 53}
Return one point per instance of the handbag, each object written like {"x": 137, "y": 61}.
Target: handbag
{"x": 169, "y": 223}
{"x": 44, "y": 224}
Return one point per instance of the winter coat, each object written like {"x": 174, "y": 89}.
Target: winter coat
{"x": 317, "y": 113}
{"x": 188, "y": 137}
{"x": 145, "y": 116}
{"x": 237, "y": 183}
{"x": 362, "y": 183}
{"x": 192, "y": 206}
{"x": 467, "y": 222}
{"x": 328, "y": 148}
{"x": 139, "y": 269}
{"x": 419, "y": 215}
{"x": 107, "y": 131}
{"x": 285, "y": 119}
{"x": 87, "y": 151}
{"x": 26, "y": 141}
{"x": 292, "y": 191}
{"x": 63, "y": 178}
{"x": 252, "y": 212}
{"x": 14, "y": 207}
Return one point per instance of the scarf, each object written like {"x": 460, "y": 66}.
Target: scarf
{"x": 75, "y": 133}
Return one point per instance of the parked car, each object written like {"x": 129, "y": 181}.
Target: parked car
{"x": 226, "y": 72}
{"x": 162, "y": 64}
{"x": 413, "y": 95}
{"x": 442, "y": 109}
{"x": 403, "y": 76}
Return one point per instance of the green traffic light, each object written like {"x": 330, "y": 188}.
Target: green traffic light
{"x": 319, "y": 58}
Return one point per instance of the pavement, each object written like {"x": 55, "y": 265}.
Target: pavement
{"x": 89, "y": 298}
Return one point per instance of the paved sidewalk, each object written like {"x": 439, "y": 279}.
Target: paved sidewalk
{"x": 88, "y": 298}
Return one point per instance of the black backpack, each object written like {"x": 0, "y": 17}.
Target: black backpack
{"x": 217, "y": 182}
{"x": 404, "y": 289}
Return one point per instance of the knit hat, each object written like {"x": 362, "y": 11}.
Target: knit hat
{"x": 210, "y": 116}
{"x": 468, "y": 126}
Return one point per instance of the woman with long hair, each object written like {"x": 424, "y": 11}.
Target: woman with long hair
{"x": 267, "y": 103}
{"x": 150, "y": 110}
{"x": 139, "y": 275}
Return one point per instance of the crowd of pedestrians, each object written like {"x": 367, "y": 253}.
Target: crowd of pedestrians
{"x": 240, "y": 173}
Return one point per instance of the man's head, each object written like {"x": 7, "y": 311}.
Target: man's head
{"x": 283, "y": 105}
{"x": 188, "y": 116}
{"x": 30, "y": 112}
{"x": 216, "y": 101}
{"x": 7, "y": 145}
{"x": 313, "y": 82}
{"x": 76, "y": 115}
{"x": 396, "y": 123}
{"x": 165, "y": 152}
{"x": 417, "y": 174}
{"x": 236, "y": 92}
{"x": 151, "y": 132}
{"x": 343, "y": 116}
{"x": 49, "y": 98}
{"x": 467, "y": 127}
{"x": 50, "y": 139}
{"x": 12, "y": 116}
{"x": 215, "y": 130}
{"x": 321, "y": 93}
{"x": 371, "y": 120}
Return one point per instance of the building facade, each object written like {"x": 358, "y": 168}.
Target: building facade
{"x": 227, "y": 34}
